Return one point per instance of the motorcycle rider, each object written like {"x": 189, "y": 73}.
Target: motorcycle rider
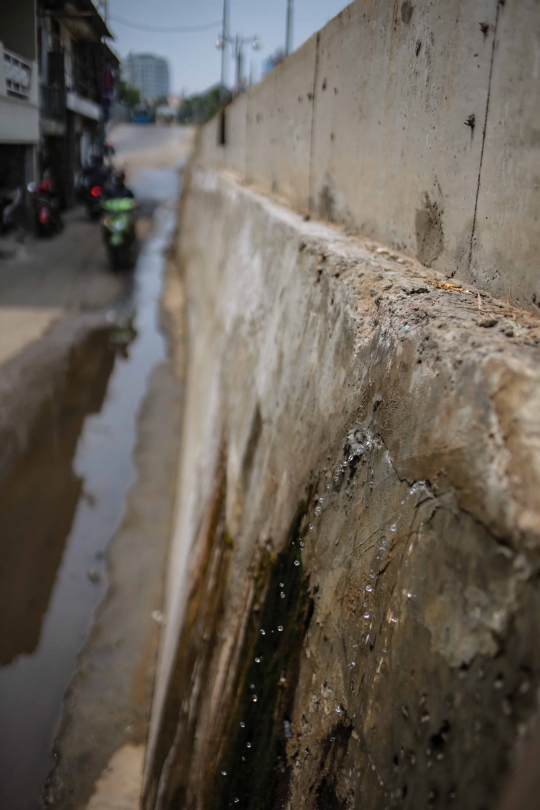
{"x": 117, "y": 189}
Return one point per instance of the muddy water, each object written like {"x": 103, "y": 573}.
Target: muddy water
{"x": 58, "y": 513}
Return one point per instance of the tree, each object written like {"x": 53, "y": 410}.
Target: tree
{"x": 200, "y": 107}
{"x": 128, "y": 94}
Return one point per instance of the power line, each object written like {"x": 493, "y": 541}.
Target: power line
{"x": 182, "y": 30}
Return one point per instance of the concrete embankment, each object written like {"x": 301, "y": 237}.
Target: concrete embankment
{"x": 414, "y": 123}
{"x": 353, "y": 600}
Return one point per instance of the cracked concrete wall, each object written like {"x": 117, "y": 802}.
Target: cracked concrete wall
{"x": 414, "y": 123}
{"x": 353, "y": 603}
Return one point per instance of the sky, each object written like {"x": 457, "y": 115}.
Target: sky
{"x": 194, "y": 61}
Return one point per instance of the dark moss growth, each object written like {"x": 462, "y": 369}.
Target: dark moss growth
{"x": 334, "y": 749}
{"x": 253, "y": 767}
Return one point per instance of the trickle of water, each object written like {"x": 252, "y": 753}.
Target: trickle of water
{"x": 280, "y": 628}
{"x": 297, "y": 562}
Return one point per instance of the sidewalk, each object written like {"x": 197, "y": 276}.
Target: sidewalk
{"x": 43, "y": 279}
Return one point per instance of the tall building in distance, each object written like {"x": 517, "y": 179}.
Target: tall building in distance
{"x": 148, "y": 73}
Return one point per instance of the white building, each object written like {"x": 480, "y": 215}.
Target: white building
{"x": 148, "y": 73}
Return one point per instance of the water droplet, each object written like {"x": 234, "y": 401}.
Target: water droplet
{"x": 280, "y": 628}
{"x": 243, "y": 759}
{"x": 301, "y": 545}
{"x": 224, "y": 773}
{"x": 409, "y": 596}
{"x": 252, "y": 686}
{"x": 242, "y": 724}
{"x": 339, "y": 710}
{"x": 367, "y": 616}
{"x": 321, "y": 500}
{"x": 297, "y": 562}
{"x": 355, "y": 646}
{"x": 254, "y": 698}
{"x": 318, "y": 511}
{"x": 311, "y": 527}
{"x": 281, "y": 584}
{"x": 393, "y": 527}
{"x": 394, "y": 620}
{"x": 248, "y": 745}
{"x": 236, "y": 801}
{"x": 263, "y": 632}
{"x": 282, "y": 594}
{"x": 332, "y": 739}
{"x": 351, "y": 458}
{"x": 352, "y": 665}
{"x": 369, "y": 588}
{"x": 328, "y": 486}
{"x": 257, "y": 660}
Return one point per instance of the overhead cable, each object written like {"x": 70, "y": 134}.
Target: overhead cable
{"x": 187, "y": 29}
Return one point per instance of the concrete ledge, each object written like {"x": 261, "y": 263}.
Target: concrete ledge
{"x": 360, "y": 473}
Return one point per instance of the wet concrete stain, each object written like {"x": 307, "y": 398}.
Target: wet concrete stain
{"x": 254, "y": 769}
{"x": 407, "y": 10}
{"x": 429, "y": 232}
{"x": 58, "y": 511}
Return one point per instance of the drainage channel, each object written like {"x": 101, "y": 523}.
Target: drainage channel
{"x": 59, "y": 510}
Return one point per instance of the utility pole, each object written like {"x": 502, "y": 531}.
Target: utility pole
{"x": 289, "y": 37}
{"x": 224, "y": 39}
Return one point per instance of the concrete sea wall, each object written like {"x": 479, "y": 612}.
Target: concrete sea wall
{"x": 414, "y": 123}
{"x": 353, "y": 603}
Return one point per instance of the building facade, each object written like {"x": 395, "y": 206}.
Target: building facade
{"x": 149, "y": 74}
{"x": 19, "y": 93}
{"x": 75, "y": 76}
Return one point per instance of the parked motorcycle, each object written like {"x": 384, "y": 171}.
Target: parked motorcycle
{"x": 119, "y": 231}
{"x": 94, "y": 196}
{"x": 47, "y": 219}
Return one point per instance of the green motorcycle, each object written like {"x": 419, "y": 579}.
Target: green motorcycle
{"x": 119, "y": 231}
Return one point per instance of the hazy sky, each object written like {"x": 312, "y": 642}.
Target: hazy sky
{"x": 193, "y": 58}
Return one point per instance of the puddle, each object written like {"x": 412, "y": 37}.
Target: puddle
{"x": 58, "y": 513}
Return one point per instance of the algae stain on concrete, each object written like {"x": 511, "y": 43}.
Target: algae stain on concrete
{"x": 253, "y": 769}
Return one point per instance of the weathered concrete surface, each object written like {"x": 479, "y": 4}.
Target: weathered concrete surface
{"x": 506, "y": 229}
{"x": 414, "y": 123}
{"x": 353, "y": 603}
{"x": 279, "y": 125}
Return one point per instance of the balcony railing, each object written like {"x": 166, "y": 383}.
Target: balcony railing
{"x": 18, "y": 75}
